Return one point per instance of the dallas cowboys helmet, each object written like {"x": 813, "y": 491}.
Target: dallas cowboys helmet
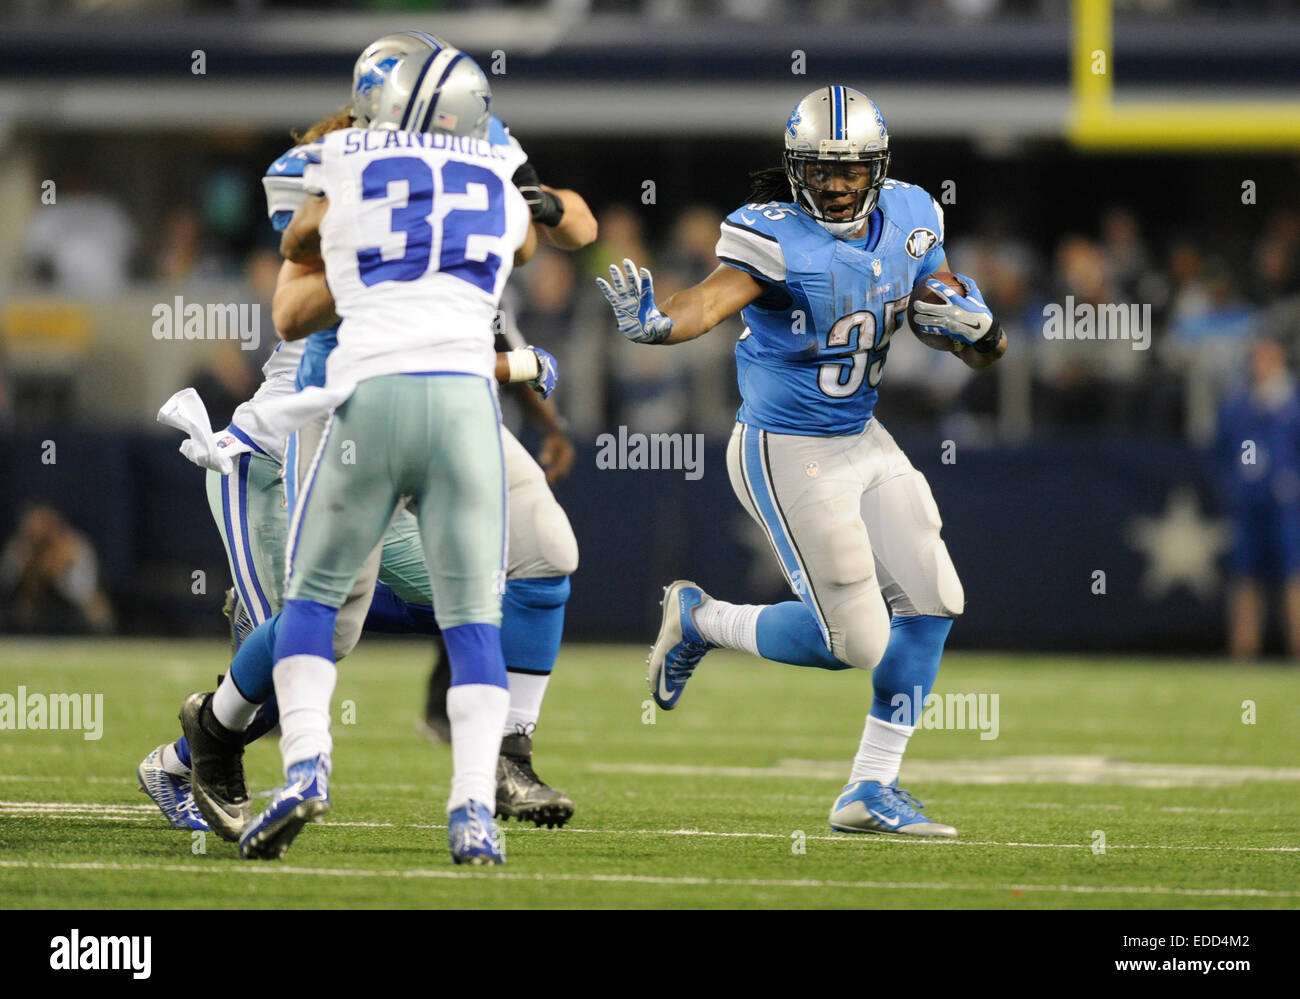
{"x": 377, "y": 59}
{"x": 443, "y": 90}
{"x": 830, "y": 132}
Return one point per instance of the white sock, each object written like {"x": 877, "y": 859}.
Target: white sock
{"x": 880, "y": 754}
{"x": 230, "y": 706}
{"x": 477, "y": 712}
{"x": 729, "y": 626}
{"x": 304, "y": 686}
{"x": 526, "y": 693}
{"x": 172, "y": 763}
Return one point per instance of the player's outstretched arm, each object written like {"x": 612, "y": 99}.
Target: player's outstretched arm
{"x": 696, "y": 310}
{"x": 685, "y": 316}
{"x": 563, "y": 215}
{"x": 302, "y": 303}
{"x": 577, "y": 226}
{"x": 301, "y": 240}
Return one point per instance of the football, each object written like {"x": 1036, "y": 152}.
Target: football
{"x": 936, "y": 341}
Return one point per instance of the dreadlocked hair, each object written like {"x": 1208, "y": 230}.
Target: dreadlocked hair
{"x": 342, "y": 118}
{"x": 770, "y": 184}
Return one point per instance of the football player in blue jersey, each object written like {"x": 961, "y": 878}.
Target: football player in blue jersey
{"x": 821, "y": 266}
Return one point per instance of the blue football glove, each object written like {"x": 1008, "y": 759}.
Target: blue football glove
{"x": 964, "y": 318}
{"x": 632, "y": 296}
{"x": 548, "y": 373}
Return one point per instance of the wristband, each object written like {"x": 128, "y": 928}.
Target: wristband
{"x": 990, "y": 340}
{"x": 548, "y": 210}
{"x": 523, "y": 364}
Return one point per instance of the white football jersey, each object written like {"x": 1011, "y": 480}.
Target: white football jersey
{"x": 278, "y": 375}
{"x": 418, "y": 242}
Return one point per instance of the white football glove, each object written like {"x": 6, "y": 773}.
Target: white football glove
{"x": 633, "y": 302}
{"x": 964, "y": 318}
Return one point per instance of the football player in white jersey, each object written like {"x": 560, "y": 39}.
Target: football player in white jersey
{"x": 415, "y": 419}
{"x": 542, "y": 549}
{"x": 822, "y": 265}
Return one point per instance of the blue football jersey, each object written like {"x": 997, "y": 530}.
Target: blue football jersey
{"x": 814, "y": 349}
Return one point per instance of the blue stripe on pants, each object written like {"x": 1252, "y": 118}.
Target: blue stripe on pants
{"x": 754, "y": 468}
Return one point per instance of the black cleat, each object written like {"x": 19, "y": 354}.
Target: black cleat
{"x": 216, "y": 768}
{"x": 521, "y": 794}
{"x": 436, "y": 725}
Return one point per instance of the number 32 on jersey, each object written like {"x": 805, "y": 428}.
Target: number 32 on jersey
{"x": 452, "y": 232}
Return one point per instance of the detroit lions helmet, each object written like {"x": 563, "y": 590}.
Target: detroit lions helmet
{"x": 444, "y": 91}
{"x": 377, "y": 59}
{"x": 836, "y": 134}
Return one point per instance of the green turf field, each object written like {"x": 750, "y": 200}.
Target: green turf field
{"x": 721, "y": 803}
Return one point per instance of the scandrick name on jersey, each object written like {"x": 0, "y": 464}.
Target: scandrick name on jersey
{"x": 373, "y": 141}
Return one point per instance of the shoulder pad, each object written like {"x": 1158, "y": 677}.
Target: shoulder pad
{"x": 294, "y": 161}
{"x": 765, "y": 217}
{"x": 916, "y": 213}
{"x": 750, "y": 239}
{"x": 910, "y": 206}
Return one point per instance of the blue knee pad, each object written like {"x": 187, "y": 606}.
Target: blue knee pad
{"x": 789, "y": 633}
{"x": 474, "y": 653}
{"x": 532, "y": 623}
{"x": 908, "y": 668}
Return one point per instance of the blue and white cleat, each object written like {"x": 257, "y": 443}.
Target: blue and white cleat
{"x": 679, "y": 647}
{"x": 170, "y": 792}
{"x": 869, "y": 806}
{"x": 473, "y": 835}
{"x": 305, "y": 798}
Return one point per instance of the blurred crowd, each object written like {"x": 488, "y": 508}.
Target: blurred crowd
{"x": 1196, "y": 306}
{"x": 1209, "y": 353}
{"x": 1199, "y": 305}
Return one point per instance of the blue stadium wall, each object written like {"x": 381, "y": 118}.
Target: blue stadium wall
{"x": 1028, "y": 527}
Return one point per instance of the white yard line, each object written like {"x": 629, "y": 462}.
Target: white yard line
{"x": 1036, "y": 769}
{"x": 91, "y": 810}
{"x": 283, "y": 870}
